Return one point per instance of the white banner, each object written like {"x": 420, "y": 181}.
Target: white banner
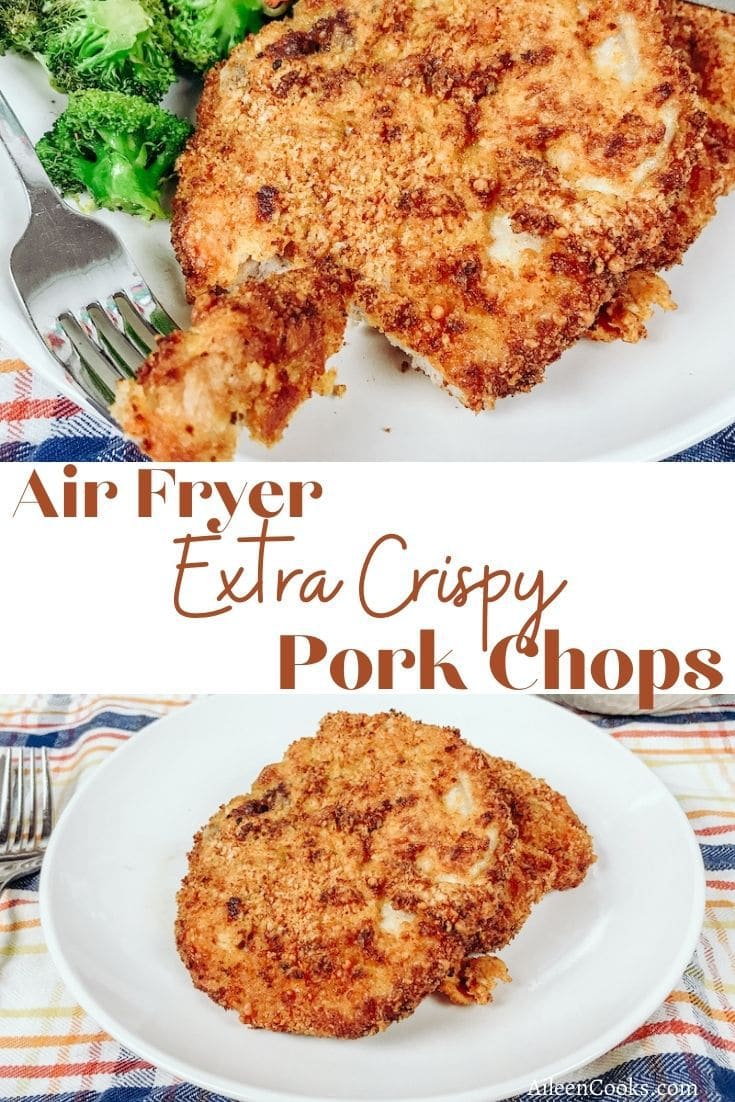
{"x": 481, "y": 577}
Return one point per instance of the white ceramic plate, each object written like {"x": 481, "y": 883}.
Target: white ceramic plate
{"x": 588, "y": 967}
{"x": 600, "y": 401}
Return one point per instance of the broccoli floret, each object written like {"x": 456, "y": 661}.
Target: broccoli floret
{"x": 119, "y": 148}
{"x": 19, "y": 25}
{"x": 115, "y": 45}
{"x": 206, "y": 30}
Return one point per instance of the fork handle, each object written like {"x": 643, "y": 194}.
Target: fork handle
{"x": 13, "y": 870}
{"x": 40, "y": 191}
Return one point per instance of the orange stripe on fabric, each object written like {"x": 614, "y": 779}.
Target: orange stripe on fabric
{"x": 57, "y": 756}
{"x": 60, "y": 1071}
{"x": 703, "y": 814}
{"x": 87, "y": 752}
{"x": 694, "y": 1000}
{"x": 66, "y": 718}
{"x": 11, "y": 927}
{"x": 12, "y": 365}
{"x": 41, "y": 1041}
{"x": 689, "y": 751}
{"x": 658, "y": 1029}
{"x": 722, "y": 884}
{"x": 73, "y": 716}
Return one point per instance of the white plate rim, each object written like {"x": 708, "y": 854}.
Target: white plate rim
{"x": 244, "y": 1093}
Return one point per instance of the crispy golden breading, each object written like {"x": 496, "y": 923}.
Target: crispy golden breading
{"x": 474, "y": 981}
{"x": 490, "y": 173}
{"x": 554, "y": 852}
{"x": 344, "y": 887}
{"x": 624, "y": 317}
{"x": 705, "y": 40}
{"x": 490, "y": 218}
{"x": 251, "y": 357}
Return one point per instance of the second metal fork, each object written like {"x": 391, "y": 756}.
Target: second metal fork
{"x": 26, "y": 812}
{"x": 79, "y": 285}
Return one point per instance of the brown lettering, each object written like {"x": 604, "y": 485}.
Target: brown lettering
{"x": 39, "y": 497}
{"x": 317, "y": 651}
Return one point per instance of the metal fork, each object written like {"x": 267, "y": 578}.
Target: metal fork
{"x": 26, "y": 812}
{"x": 80, "y": 287}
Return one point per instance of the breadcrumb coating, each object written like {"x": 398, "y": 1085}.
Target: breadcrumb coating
{"x": 705, "y": 40}
{"x": 344, "y": 887}
{"x": 475, "y": 981}
{"x": 624, "y": 317}
{"x": 449, "y": 155}
{"x": 251, "y": 358}
{"x": 365, "y": 871}
{"x": 448, "y": 164}
{"x": 554, "y": 852}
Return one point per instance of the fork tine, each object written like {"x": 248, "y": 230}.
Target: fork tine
{"x": 32, "y": 811}
{"x": 91, "y": 355}
{"x": 142, "y": 329}
{"x": 5, "y": 794}
{"x": 97, "y": 394}
{"x": 94, "y": 356}
{"x": 127, "y": 354}
{"x": 145, "y": 302}
{"x": 47, "y": 798}
{"x": 161, "y": 318}
{"x": 19, "y": 803}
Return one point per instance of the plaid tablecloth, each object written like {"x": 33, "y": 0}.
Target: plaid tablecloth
{"x": 36, "y": 424}
{"x": 49, "y": 1047}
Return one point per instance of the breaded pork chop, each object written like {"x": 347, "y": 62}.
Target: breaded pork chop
{"x": 705, "y": 39}
{"x": 490, "y": 172}
{"x": 345, "y": 885}
{"x": 554, "y": 851}
{"x": 251, "y": 358}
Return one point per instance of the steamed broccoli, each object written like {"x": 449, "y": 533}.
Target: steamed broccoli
{"x": 119, "y": 148}
{"x": 206, "y": 30}
{"x": 19, "y": 25}
{"x": 115, "y": 45}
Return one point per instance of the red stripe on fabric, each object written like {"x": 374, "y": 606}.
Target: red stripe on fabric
{"x": 15, "y": 903}
{"x": 664, "y": 735}
{"x": 60, "y": 1071}
{"x": 678, "y": 1028}
{"x": 716, "y": 830}
{"x": 67, "y": 408}
{"x": 22, "y": 390}
{"x": 25, "y": 409}
{"x": 82, "y": 744}
{"x": 59, "y": 757}
{"x": 721, "y": 884}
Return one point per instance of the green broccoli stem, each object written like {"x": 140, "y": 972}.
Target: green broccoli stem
{"x": 124, "y": 174}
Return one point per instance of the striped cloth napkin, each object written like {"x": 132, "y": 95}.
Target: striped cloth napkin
{"x": 37, "y": 424}
{"x": 49, "y": 1047}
